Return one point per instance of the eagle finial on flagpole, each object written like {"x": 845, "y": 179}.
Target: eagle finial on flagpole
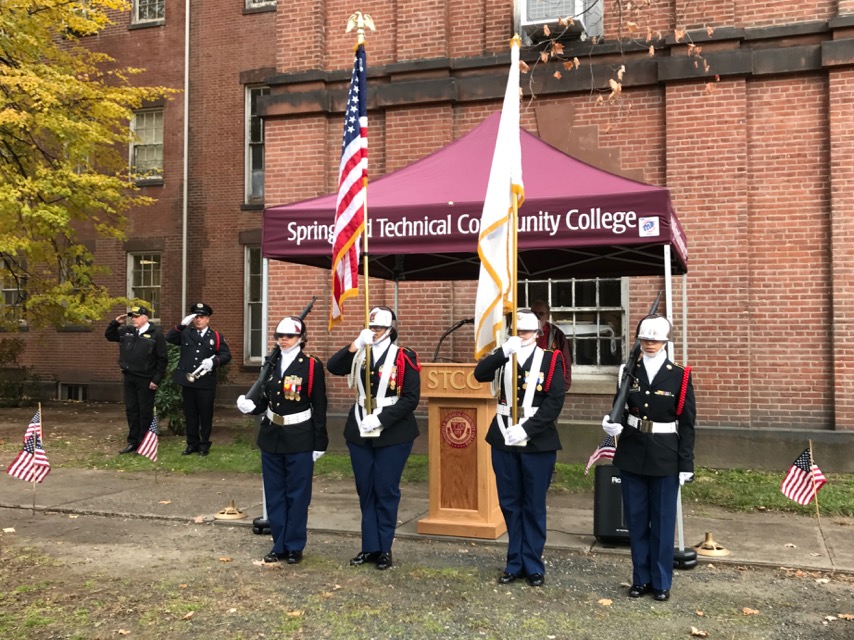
{"x": 359, "y": 21}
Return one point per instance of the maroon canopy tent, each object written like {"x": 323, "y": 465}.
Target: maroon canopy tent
{"x": 576, "y": 221}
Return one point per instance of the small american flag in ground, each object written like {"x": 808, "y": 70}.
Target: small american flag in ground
{"x": 148, "y": 447}
{"x": 352, "y": 192}
{"x": 803, "y": 480}
{"x": 31, "y": 463}
{"x": 605, "y": 449}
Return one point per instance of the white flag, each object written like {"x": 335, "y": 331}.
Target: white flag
{"x": 495, "y": 293}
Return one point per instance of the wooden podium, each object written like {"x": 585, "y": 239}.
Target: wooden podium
{"x": 463, "y": 497}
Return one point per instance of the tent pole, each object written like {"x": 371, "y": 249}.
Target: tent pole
{"x": 668, "y": 294}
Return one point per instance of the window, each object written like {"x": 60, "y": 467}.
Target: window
{"x": 144, "y": 271}
{"x": 251, "y": 4}
{"x": 587, "y": 16}
{"x": 254, "y": 146}
{"x": 253, "y": 325}
{"x": 148, "y": 11}
{"x": 12, "y": 285}
{"x": 590, "y": 313}
{"x": 146, "y": 149}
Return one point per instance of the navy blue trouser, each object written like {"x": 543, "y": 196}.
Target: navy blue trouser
{"x": 139, "y": 406}
{"x": 287, "y": 491}
{"x": 198, "y": 415}
{"x": 523, "y": 480}
{"x": 649, "y": 504}
{"x": 377, "y": 471}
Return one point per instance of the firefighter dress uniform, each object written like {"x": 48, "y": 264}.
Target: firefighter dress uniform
{"x": 523, "y": 468}
{"x": 379, "y": 442}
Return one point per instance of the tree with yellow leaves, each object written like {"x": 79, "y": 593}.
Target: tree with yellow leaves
{"x": 65, "y": 114}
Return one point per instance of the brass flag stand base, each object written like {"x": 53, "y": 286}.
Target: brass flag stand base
{"x": 231, "y": 512}
{"x": 711, "y": 548}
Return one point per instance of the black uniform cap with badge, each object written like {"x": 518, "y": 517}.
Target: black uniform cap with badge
{"x": 201, "y": 309}
{"x": 137, "y": 311}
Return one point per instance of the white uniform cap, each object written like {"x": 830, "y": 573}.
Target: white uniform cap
{"x": 526, "y": 321}
{"x": 654, "y": 329}
{"x": 289, "y": 325}
{"x": 380, "y": 317}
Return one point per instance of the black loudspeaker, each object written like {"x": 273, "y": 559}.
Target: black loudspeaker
{"x": 609, "y": 524}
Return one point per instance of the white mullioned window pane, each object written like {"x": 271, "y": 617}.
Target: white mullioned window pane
{"x": 253, "y": 324}
{"x": 259, "y": 3}
{"x": 254, "y": 152}
{"x": 590, "y": 312}
{"x": 149, "y": 10}
{"x": 147, "y": 145}
{"x": 144, "y": 273}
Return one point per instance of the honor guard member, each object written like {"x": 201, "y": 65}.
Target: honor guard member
{"x": 202, "y": 351}
{"x": 143, "y": 360}
{"x": 380, "y": 440}
{"x": 292, "y": 437}
{"x": 524, "y": 454}
{"x": 655, "y": 455}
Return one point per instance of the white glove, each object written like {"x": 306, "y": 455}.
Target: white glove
{"x": 370, "y": 423}
{"x": 365, "y": 338}
{"x": 511, "y": 345}
{"x": 188, "y": 320}
{"x": 611, "y": 428}
{"x": 515, "y": 434}
{"x": 316, "y": 455}
{"x": 206, "y": 364}
{"x": 245, "y": 405}
{"x": 685, "y": 476}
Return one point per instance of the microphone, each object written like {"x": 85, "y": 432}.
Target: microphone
{"x": 453, "y": 328}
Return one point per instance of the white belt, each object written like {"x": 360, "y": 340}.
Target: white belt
{"x": 504, "y": 410}
{"x": 293, "y": 418}
{"x": 648, "y": 426}
{"x": 380, "y": 403}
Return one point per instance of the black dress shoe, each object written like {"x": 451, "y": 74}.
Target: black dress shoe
{"x": 536, "y": 579}
{"x": 507, "y": 578}
{"x": 203, "y": 452}
{"x": 294, "y": 557}
{"x": 275, "y": 557}
{"x": 189, "y": 450}
{"x": 661, "y": 594}
{"x": 384, "y": 561}
{"x": 637, "y": 590}
{"x": 365, "y": 557}
{"x": 129, "y": 449}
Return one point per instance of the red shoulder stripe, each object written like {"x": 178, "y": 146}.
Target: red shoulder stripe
{"x": 683, "y": 391}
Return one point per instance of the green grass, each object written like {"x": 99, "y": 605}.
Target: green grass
{"x": 737, "y": 490}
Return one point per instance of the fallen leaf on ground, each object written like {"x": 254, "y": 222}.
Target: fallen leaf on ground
{"x": 830, "y": 618}
{"x": 822, "y": 580}
{"x": 294, "y": 614}
{"x": 698, "y": 633}
{"x": 165, "y": 502}
{"x": 700, "y": 613}
{"x": 749, "y": 612}
{"x": 225, "y": 559}
{"x": 188, "y": 615}
{"x": 123, "y": 632}
{"x": 199, "y": 519}
{"x": 605, "y": 602}
{"x": 846, "y": 616}
{"x": 9, "y": 530}
{"x": 789, "y": 545}
{"x": 232, "y": 610}
{"x": 182, "y": 586}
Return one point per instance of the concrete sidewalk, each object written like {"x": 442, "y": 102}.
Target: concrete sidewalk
{"x": 770, "y": 539}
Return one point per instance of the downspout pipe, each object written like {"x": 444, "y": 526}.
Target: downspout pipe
{"x": 186, "y": 160}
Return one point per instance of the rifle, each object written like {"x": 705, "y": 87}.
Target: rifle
{"x": 255, "y": 392}
{"x": 619, "y": 406}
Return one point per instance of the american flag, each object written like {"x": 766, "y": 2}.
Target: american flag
{"x": 352, "y": 192}
{"x": 803, "y": 480}
{"x": 605, "y": 450}
{"x": 148, "y": 447}
{"x": 31, "y": 463}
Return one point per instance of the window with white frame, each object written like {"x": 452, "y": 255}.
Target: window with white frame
{"x": 146, "y": 148}
{"x": 586, "y": 15}
{"x": 148, "y": 11}
{"x": 590, "y": 312}
{"x": 254, "y": 146}
{"x": 11, "y": 292}
{"x": 253, "y": 324}
{"x": 251, "y": 4}
{"x": 144, "y": 273}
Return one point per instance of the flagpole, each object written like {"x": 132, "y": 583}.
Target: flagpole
{"x": 514, "y": 284}
{"x": 361, "y": 21}
{"x": 41, "y": 435}
{"x": 814, "y": 488}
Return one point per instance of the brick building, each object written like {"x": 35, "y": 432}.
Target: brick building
{"x": 748, "y": 126}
